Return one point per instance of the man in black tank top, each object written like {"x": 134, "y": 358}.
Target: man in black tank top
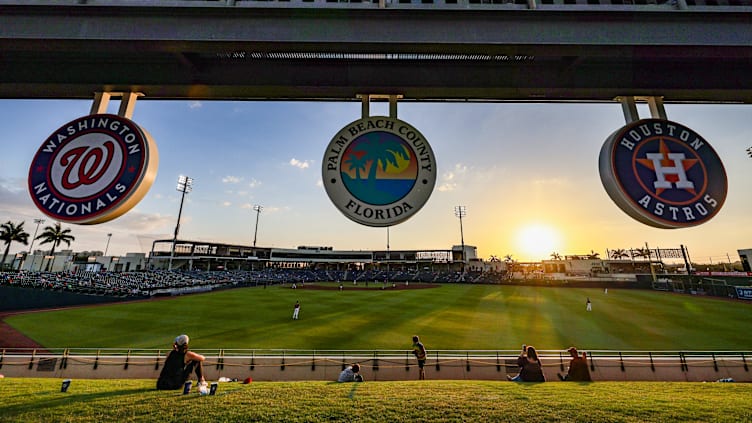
{"x": 179, "y": 365}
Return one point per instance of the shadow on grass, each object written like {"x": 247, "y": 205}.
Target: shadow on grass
{"x": 53, "y": 399}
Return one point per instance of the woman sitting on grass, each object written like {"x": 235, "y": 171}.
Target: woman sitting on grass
{"x": 530, "y": 367}
{"x": 179, "y": 365}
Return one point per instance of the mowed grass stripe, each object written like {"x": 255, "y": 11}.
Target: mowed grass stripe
{"x": 40, "y": 400}
{"x": 448, "y": 317}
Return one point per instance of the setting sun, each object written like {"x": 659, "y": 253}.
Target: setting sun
{"x": 537, "y": 242}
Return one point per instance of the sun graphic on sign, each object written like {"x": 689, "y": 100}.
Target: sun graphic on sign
{"x": 400, "y": 163}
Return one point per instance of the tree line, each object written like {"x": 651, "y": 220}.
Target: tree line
{"x": 54, "y": 234}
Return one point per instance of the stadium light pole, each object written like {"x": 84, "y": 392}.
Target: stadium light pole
{"x": 31, "y": 248}
{"x": 257, "y": 208}
{"x": 460, "y": 212}
{"x": 388, "y": 257}
{"x": 107, "y": 247}
{"x": 38, "y": 222}
{"x": 185, "y": 185}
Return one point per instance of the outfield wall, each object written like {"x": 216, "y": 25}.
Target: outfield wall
{"x": 604, "y": 366}
{"x": 18, "y": 298}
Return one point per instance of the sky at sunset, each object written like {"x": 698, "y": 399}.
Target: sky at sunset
{"x": 526, "y": 173}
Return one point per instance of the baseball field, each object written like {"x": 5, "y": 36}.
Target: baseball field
{"x": 447, "y": 317}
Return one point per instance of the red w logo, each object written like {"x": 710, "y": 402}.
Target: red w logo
{"x": 91, "y": 163}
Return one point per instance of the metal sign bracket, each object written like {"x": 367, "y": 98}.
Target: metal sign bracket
{"x": 366, "y": 103}
{"x": 127, "y": 102}
{"x": 629, "y": 107}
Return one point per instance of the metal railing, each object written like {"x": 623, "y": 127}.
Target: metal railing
{"x": 600, "y": 5}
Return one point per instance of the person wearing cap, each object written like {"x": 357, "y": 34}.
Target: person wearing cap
{"x": 578, "y": 368}
{"x": 295, "y": 310}
{"x": 180, "y": 364}
{"x": 351, "y": 374}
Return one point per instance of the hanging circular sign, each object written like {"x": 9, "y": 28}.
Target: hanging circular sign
{"x": 93, "y": 169}
{"x": 379, "y": 171}
{"x": 663, "y": 174}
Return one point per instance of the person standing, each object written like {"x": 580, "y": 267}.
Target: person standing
{"x": 578, "y": 368}
{"x": 180, "y": 364}
{"x": 588, "y": 305}
{"x": 295, "y": 310}
{"x": 419, "y": 351}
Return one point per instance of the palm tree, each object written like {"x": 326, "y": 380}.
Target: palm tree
{"x": 555, "y": 256}
{"x": 55, "y": 235}
{"x": 510, "y": 265}
{"x": 641, "y": 252}
{"x": 619, "y": 254}
{"x": 593, "y": 255}
{"x": 9, "y": 232}
{"x": 357, "y": 163}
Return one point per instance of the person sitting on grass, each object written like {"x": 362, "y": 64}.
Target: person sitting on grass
{"x": 351, "y": 374}
{"x": 179, "y": 365}
{"x": 530, "y": 366}
{"x": 578, "y": 368}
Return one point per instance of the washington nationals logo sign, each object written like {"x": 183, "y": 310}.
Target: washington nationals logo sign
{"x": 93, "y": 169}
{"x": 379, "y": 171}
{"x": 663, "y": 174}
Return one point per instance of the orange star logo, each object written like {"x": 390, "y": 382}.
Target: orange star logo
{"x": 668, "y": 162}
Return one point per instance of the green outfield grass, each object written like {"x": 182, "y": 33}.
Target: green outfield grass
{"x": 447, "y": 317}
{"x": 40, "y": 400}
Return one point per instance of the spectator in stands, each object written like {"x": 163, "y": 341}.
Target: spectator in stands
{"x": 578, "y": 368}
{"x": 351, "y": 374}
{"x": 180, "y": 364}
{"x": 530, "y": 366}
{"x": 419, "y": 351}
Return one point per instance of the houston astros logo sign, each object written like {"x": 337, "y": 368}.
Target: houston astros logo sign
{"x": 379, "y": 171}
{"x": 663, "y": 174}
{"x": 93, "y": 169}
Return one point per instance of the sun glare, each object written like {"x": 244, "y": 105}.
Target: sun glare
{"x": 537, "y": 242}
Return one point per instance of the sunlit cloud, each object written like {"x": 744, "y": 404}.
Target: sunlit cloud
{"x": 254, "y": 183}
{"x": 226, "y": 204}
{"x": 195, "y": 105}
{"x": 300, "y": 164}
{"x": 13, "y": 185}
{"x": 449, "y": 180}
{"x": 137, "y": 221}
{"x": 276, "y": 209}
{"x": 229, "y": 179}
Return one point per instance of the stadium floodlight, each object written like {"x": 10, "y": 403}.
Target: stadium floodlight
{"x": 257, "y": 208}
{"x": 38, "y": 222}
{"x": 185, "y": 185}
{"x": 106, "y": 247}
{"x": 460, "y": 212}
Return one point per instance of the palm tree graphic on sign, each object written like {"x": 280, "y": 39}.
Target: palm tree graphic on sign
{"x": 387, "y": 164}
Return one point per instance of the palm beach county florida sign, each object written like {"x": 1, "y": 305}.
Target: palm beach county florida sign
{"x": 663, "y": 174}
{"x": 93, "y": 169}
{"x": 379, "y": 171}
